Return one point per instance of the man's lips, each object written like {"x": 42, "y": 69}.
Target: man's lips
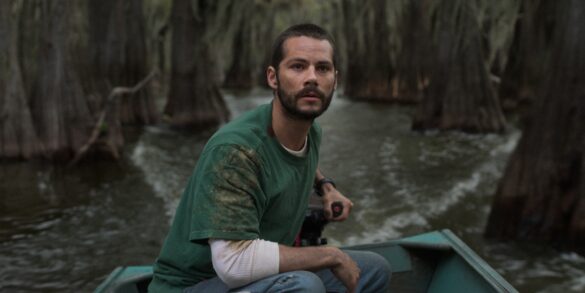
{"x": 311, "y": 95}
{"x": 311, "y": 98}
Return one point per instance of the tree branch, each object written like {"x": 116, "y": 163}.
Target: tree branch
{"x": 115, "y": 93}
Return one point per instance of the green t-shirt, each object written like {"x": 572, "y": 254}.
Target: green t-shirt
{"x": 245, "y": 186}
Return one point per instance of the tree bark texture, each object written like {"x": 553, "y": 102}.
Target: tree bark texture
{"x": 60, "y": 110}
{"x": 242, "y": 72}
{"x": 412, "y": 62}
{"x": 266, "y": 35}
{"x": 528, "y": 54}
{"x": 194, "y": 100}
{"x": 119, "y": 56}
{"x": 18, "y": 138}
{"x": 460, "y": 95}
{"x": 369, "y": 66}
{"x": 541, "y": 196}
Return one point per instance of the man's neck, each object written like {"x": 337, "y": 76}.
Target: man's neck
{"x": 289, "y": 131}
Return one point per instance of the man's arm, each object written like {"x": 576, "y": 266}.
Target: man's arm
{"x": 331, "y": 195}
{"x": 238, "y": 263}
{"x": 320, "y": 257}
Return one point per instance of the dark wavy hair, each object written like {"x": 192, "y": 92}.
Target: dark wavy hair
{"x": 299, "y": 30}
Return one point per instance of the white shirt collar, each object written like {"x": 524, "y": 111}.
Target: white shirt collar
{"x": 300, "y": 153}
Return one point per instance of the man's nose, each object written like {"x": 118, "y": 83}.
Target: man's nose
{"x": 311, "y": 76}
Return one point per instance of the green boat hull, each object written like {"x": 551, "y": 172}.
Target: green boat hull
{"x": 432, "y": 262}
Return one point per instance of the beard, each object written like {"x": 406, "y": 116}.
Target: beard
{"x": 289, "y": 102}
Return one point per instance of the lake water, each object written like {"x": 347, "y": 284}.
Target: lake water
{"x": 65, "y": 229}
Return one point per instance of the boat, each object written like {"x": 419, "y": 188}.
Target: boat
{"x": 436, "y": 261}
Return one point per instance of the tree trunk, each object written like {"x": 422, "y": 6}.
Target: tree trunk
{"x": 119, "y": 57}
{"x": 528, "y": 53}
{"x": 242, "y": 71}
{"x": 60, "y": 111}
{"x": 460, "y": 95}
{"x": 412, "y": 64}
{"x": 18, "y": 138}
{"x": 241, "y": 74}
{"x": 369, "y": 67}
{"x": 194, "y": 100}
{"x": 265, "y": 36}
{"x": 542, "y": 194}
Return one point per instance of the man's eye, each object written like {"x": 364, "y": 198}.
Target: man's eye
{"x": 297, "y": 66}
{"x": 323, "y": 69}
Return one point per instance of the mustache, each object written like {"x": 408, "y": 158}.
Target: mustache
{"x": 308, "y": 89}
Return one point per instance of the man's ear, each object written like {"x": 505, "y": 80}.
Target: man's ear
{"x": 271, "y": 77}
{"x": 335, "y": 84}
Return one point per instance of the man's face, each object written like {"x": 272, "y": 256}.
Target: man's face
{"x": 306, "y": 78}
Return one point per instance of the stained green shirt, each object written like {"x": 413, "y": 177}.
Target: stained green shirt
{"x": 245, "y": 186}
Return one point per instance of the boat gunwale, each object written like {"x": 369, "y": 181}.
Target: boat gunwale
{"x": 443, "y": 241}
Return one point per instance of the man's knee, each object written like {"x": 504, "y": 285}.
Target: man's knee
{"x": 376, "y": 271}
{"x": 300, "y": 281}
{"x": 382, "y": 266}
{"x": 373, "y": 261}
{"x": 381, "y": 262}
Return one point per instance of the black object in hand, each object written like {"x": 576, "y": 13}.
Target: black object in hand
{"x": 337, "y": 209}
{"x": 315, "y": 221}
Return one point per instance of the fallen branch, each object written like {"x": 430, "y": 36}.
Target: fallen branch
{"x": 116, "y": 92}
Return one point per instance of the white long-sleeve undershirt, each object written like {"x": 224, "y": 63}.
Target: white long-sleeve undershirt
{"x": 240, "y": 262}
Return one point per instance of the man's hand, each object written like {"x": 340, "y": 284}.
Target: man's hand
{"x": 314, "y": 258}
{"x": 347, "y": 272}
{"x": 331, "y": 195}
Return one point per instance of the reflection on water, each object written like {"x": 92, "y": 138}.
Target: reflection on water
{"x": 64, "y": 230}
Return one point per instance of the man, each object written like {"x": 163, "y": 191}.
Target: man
{"x": 247, "y": 198}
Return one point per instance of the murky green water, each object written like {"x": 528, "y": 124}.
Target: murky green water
{"x": 64, "y": 230}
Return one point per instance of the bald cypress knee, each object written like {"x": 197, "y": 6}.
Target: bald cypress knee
{"x": 541, "y": 196}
